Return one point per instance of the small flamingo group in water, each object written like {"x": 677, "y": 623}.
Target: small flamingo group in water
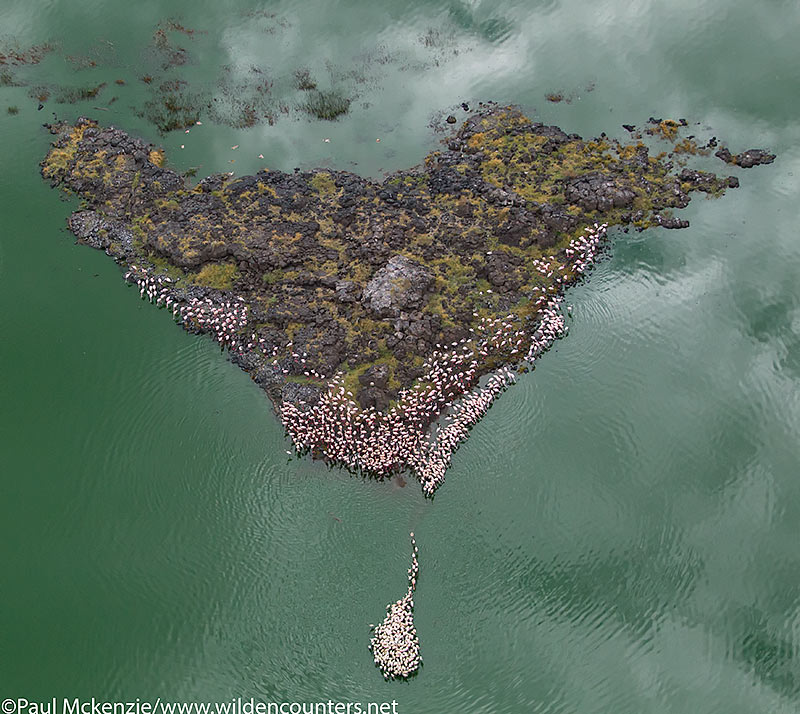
{"x": 379, "y": 443}
{"x": 394, "y": 644}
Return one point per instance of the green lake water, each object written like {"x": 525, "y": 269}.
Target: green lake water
{"x": 620, "y": 534}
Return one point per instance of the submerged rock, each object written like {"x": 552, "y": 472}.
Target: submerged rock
{"x": 747, "y": 159}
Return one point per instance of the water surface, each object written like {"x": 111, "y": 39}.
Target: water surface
{"x": 618, "y": 535}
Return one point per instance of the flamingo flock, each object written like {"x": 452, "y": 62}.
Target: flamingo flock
{"x": 381, "y": 443}
{"x": 395, "y": 645}
{"x": 155, "y": 289}
{"x": 223, "y": 320}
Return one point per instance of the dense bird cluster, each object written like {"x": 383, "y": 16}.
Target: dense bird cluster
{"x": 155, "y": 289}
{"x": 223, "y": 320}
{"x": 381, "y": 443}
{"x": 435, "y": 458}
{"x": 394, "y": 644}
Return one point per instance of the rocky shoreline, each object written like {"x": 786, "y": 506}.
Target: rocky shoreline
{"x": 367, "y": 311}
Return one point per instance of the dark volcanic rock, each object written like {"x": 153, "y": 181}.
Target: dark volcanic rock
{"x": 747, "y": 159}
{"x": 596, "y": 192}
{"x": 400, "y": 285}
{"x": 347, "y": 291}
{"x": 375, "y": 376}
{"x": 296, "y": 393}
{"x": 703, "y": 181}
{"x": 90, "y": 228}
{"x": 500, "y": 269}
{"x": 516, "y": 231}
{"x": 671, "y": 222}
{"x": 373, "y": 397}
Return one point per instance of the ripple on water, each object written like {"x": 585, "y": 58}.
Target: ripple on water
{"x": 512, "y": 420}
{"x": 607, "y": 590}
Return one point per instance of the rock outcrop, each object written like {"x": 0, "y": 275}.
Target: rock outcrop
{"x": 401, "y": 284}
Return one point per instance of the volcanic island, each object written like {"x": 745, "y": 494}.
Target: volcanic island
{"x": 382, "y": 318}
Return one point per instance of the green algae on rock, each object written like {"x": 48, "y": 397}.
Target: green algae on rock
{"x": 356, "y": 286}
